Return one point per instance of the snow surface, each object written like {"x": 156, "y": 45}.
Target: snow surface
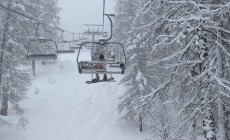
{"x": 61, "y": 106}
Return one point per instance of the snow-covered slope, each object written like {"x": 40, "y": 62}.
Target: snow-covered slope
{"x": 61, "y": 106}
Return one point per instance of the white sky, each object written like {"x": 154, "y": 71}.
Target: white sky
{"x": 76, "y": 13}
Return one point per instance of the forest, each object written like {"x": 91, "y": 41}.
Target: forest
{"x": 178, "y": 62}
{"x": 19, "y": 22}
{"x": 178, "y": 69}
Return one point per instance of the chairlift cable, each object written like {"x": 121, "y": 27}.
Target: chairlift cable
{"x": 18, "y": 13}
{"x": 31, "y": 18}
{"x": 103, "y": 15}
{"x": 26, "y": 16}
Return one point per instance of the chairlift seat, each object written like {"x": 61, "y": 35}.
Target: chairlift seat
{"x": 74, "y": 48}
{"x": 96, "y": 71}
{"x": 65, "y": 51}
{"x": 92, "y": 70}
{"x": 87, "y": 67}
{"x": 41, "y": 56}
{"x": 100, "y": 62}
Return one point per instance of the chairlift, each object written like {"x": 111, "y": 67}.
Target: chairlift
{"x": 41, "y": 48}
{"x": 62, "y": 48}
{"x": 79, "y": 40}
{"x": 113, "y": 63}
{"x": 94, "y": 30}
{"x": 72, "y": 44}
{"x": 48, "y": 51}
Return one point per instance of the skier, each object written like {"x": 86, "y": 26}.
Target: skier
{"x": 100, "y": 58}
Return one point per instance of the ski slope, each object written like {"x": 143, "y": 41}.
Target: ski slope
{"x": 61, "y": 106}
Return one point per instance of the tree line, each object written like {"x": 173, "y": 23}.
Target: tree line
{"x": 16, "y": 30}
{"x": 177, "y": 74}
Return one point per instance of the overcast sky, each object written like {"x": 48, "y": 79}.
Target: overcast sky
{"x": 76, "y": 13}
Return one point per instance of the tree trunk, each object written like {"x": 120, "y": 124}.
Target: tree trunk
{"x": 221, "y": 122}
{"x": 4, "y": 106}
{"x": 207, "y": 104}
{"x": 140, "y": 123}
{"x": 33, "y": 67}
{"x": 221, "y": 135}
{"x": 193, "y": 132}
{"x": 209, "y": 123}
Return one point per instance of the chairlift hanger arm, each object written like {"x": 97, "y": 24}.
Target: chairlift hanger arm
{"x": 103, "y": 14}
{"x": 111, "y": 28}
{"x": 39, "y": 39}
{"x": 30, "y": 18}
{"x": 62, "y": 33}
{"x": 36, "y": 33}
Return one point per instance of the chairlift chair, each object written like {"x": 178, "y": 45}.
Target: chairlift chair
{"x": 116, "y": 65}
{"x": 110, "y": 66}
{"x": 72, "y": 44}
{"x": 62, "y": 48}
{"x": 35, "y": 47}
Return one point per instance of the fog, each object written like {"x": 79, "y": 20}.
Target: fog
{"x": 75, "y": 13}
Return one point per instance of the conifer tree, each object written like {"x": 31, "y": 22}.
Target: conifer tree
{"x": 189, "y": 39}
{"x": 16, "y": 31}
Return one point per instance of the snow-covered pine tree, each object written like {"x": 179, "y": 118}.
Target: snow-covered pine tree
{"x": 125, "y": 13}
{"x": 196, "y": 62}
{"x": 132, "y": 103}
{"x": 159, "y": 114}
{"x": 138, "y": 77}
{"x": 187, "y": 38}
{"x": 139, "y": 50}
{"x": 16, "y": 32}
{"x": 45, "y": 14}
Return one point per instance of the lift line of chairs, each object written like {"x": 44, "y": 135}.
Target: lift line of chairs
{"x": 40, "y": 48}
{"x": 111, "y": 65}
{"x": 43, "y": 49}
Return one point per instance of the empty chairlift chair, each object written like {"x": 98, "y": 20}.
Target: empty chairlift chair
{"x": 64, "y": 47}
{"x": 72, "y": 44}
{"x": 42, "y": 49}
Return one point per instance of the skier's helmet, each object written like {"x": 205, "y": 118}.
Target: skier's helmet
{"x": 101, "y": 57}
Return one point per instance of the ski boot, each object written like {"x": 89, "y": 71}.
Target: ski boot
{"x": 96, "y": 79}
{"x": 105, "y": 77}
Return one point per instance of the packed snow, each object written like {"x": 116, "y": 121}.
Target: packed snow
{"x": 61, "y": 106}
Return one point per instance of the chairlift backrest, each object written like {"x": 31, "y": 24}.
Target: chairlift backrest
{"x": 115, "y": 66}
{"x": 42, "y": 49}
